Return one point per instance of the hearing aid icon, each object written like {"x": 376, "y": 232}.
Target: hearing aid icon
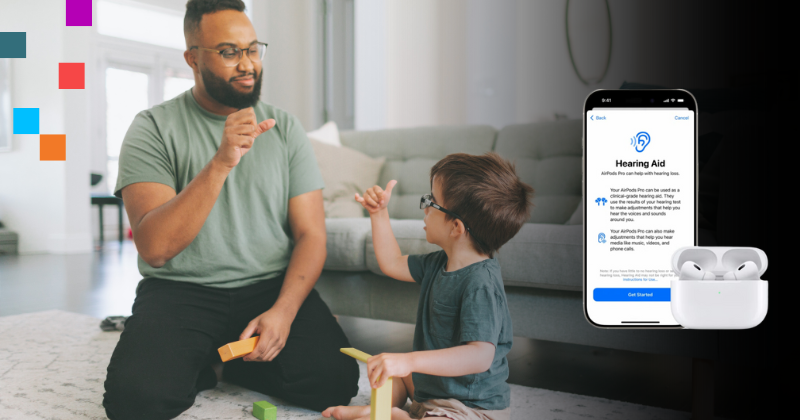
{"x": 640, "y": 141}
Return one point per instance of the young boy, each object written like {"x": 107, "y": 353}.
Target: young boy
{"x": 458, "y": 368}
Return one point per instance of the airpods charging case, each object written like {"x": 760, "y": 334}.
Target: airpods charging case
{"x": 719, "y": 304}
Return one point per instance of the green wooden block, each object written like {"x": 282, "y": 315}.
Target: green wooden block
{"x": 263, "y": 410}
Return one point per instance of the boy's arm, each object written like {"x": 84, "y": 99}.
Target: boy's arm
{"x": 466, "y": 359}
{"x": 391, "y": 261}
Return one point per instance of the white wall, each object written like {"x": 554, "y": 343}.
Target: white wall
{"x": 410, "y": 63}
{"x": 506, "y": 61}
{"x": 656, "y": 42}
{"x": 370, "y": 64}
{"x": 292, "y": 69}
{"x": 492, "y": 37}
{"x": 46, "y": 202}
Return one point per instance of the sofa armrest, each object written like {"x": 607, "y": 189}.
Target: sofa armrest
{"x": 545, "y": 256}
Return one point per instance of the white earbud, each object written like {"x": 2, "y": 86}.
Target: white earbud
{"x": 691, "y": 271}
{"x": 746, "y": 271}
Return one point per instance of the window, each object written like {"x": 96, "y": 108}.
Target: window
{"x": 137, "y": 70}
{"x": 126, "y": 95}
{"x": 124, "y": 20}
{"x": 176, "y": 82}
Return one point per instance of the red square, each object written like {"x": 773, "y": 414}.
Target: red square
{"x": 71, "y": 75}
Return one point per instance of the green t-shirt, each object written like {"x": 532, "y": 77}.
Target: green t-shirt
{"x": 246, "y": 237}
{"x": 457, "y": 307}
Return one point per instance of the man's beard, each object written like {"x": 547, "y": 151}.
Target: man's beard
{"x": 224, "y": 93}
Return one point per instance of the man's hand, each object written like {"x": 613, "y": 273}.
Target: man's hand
{"x": 376, "y": 199}
{"x": 387, "y": 365}
{"x": 273, "y": 326}
{"x": 241, "y": 130}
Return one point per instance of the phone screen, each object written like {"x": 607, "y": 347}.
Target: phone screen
{"x": 640, "y": 178}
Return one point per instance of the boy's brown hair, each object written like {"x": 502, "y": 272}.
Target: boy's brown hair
{"x": 487, "y": 194}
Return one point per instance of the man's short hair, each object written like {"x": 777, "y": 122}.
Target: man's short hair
{"x": 195, "y": 9}
{"x": 487, "y": 194}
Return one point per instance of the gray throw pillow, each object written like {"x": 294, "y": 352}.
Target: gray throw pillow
{"x": 345, "y": 172}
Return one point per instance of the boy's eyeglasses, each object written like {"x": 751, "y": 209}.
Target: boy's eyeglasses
{"x": 232, "y": 56}
{"x": 426, "y": 201}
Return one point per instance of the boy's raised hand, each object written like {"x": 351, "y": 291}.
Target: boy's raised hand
{"x": 376, "y": 198}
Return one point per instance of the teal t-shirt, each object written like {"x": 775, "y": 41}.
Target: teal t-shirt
{"x": 457, "y": 307}
{"x": 246, "y": 237}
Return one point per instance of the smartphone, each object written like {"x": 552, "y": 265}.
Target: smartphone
{"x": 640, "y": 202}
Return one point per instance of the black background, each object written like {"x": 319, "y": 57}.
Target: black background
{"x": 745, "y": 198}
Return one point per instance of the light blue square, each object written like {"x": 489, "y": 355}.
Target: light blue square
{"x": 26, "y": 120}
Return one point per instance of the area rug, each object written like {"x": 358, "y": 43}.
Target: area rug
{"x": 53, "y": 364}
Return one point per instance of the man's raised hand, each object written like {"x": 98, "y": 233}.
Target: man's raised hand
{"x": 376, "y": 199}
{"x": 241, "y": 130}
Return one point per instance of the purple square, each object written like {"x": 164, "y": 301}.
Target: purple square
{"x": 79, "y": 12}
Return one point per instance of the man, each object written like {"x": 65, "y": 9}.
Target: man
{"x": 224, "y": 197}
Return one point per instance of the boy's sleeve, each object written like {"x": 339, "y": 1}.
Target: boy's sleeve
{"x": 419, "y": 263}
{"x": 480, "y": 317}
{"x": 304, "y": 174}
{"x": 143, "y": 156}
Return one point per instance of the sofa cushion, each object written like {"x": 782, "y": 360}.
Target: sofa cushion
{"x": 540, "y": 255}
{"x": 548, "y": 158}
{"x": 346, "y": 243}
{"x": 411, "y": 152}
{"x": 410, "y": 236}
{"x": 345, "y": 171}
{"x": 328, "y": 134}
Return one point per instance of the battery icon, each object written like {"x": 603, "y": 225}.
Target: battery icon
{"x": 680, "y": 100}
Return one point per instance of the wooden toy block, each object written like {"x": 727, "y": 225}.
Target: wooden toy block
{"x": 380, "y": 401}
{"x": 263, "y": 410}
{"x": 237, "y": 349}
{"x": 356, "y": 354}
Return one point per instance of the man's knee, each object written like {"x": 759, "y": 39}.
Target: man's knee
{"x": 129, "y": 397}
{"x": 336, "y": 386}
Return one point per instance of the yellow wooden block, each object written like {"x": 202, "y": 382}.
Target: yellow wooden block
{"x": 356, "y": 354}
{"x": 237, "y": 349}
{"x": 380, "y": 402}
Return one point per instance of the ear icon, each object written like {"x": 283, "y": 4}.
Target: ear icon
{"x": 640, "y": 141}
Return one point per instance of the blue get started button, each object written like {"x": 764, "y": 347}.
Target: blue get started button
{"x": 618, "y": 294}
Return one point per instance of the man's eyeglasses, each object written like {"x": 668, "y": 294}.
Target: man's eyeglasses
{"x": 232, "y": 56}
{"x": 427, "y": 201}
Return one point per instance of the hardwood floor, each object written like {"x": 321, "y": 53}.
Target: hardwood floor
{"x": 103, "y": 283}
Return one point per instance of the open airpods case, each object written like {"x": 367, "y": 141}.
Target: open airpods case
{"x": 719, "y": 304}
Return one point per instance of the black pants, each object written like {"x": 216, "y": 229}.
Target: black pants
{"x": 164, "y": 354}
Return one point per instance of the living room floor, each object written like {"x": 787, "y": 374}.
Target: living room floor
{"x": 103, "y": 283}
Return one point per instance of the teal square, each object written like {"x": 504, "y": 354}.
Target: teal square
{"x": 263, "y": 410}
{"x": 26, "y": 120}
{"x": 12, "y": 44}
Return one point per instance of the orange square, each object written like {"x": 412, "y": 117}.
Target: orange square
{"x": 52, "y": 147}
